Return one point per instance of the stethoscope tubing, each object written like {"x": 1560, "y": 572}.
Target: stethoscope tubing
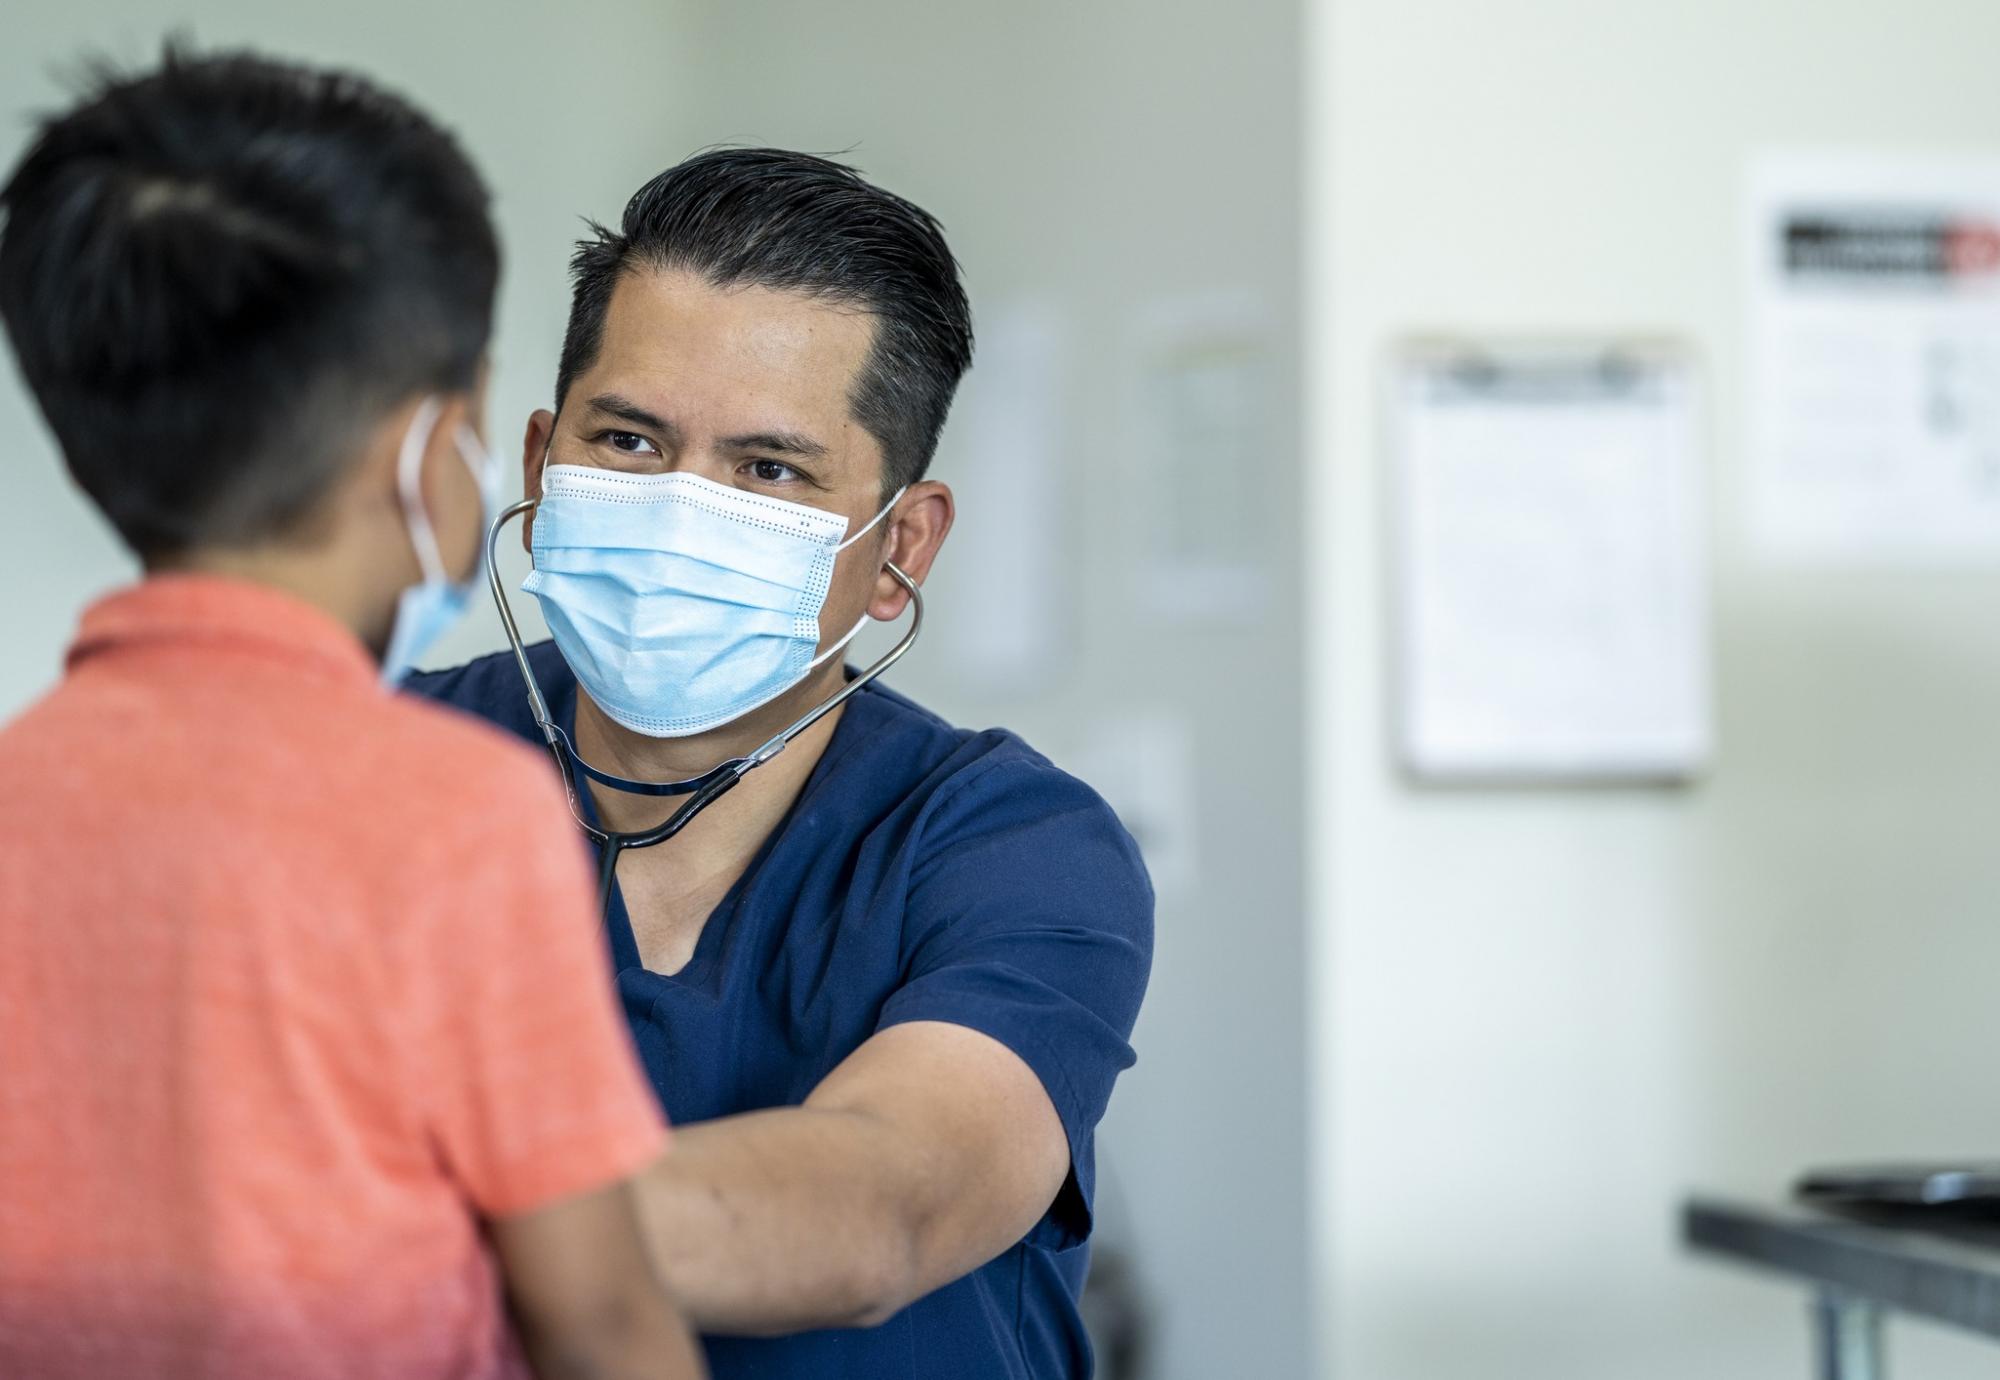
{"x": 702, "y": 791}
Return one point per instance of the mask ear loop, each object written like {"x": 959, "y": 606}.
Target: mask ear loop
{"x": 835, "y": 650}
{"x": 483, "y": 462}
{"x": 409, "y": 472}
{"x": 869, "y": 526}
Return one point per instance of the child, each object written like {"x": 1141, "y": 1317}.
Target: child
{"x": 308, "y": 1050}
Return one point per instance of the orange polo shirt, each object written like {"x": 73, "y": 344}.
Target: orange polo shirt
{"x": 298, "y": 981}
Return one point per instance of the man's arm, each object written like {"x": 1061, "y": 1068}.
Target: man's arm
{"x": 928, "y": 1151}
{"x": 588, "y": 1304}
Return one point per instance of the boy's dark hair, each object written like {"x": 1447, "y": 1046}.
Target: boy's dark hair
{"x": 219, "y": 274}
{"x": 774, "y": 219}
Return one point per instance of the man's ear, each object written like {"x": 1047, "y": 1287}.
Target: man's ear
{"x": 916, "y": 529}
{"x": 534, "y": 453}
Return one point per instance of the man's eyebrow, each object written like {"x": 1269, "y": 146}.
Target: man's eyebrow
{"x": 625, "y": 410}
{"x": 783, "y": 442}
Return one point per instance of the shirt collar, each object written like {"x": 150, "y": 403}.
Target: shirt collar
{"x": 217, "y": 613}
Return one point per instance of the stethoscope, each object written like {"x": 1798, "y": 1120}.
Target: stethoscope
{"x": 701, "y": 791}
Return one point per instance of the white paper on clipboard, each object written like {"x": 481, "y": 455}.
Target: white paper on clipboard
{"x": 1552, "y": 588}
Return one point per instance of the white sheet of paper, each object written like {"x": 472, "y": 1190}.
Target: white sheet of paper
{"x": 1874, "y": 405}
{"x": 1552, "y": 585}
{"x": 1201, "y": 421}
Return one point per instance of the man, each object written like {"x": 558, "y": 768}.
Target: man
{"x": 892, "y": 974}
{"x": 292, "y": 1080}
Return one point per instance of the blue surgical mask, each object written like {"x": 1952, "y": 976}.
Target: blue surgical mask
{"x": 679, "y": 603}
{"x": 428, "y": 608}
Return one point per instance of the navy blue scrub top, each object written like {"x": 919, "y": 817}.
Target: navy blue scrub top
{"x": 925, "y": 873}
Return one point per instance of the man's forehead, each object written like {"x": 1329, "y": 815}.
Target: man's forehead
{"x": 780, "y": 347}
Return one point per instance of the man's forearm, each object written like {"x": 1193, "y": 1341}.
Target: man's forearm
{"x": 782, "y": 1221}
{"x": 923, "y": 1155}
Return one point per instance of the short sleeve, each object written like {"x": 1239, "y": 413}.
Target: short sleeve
{"x": 529, "y": 1085}
{"x": 1030, "y": 920}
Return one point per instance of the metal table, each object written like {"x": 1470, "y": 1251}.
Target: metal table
{"x": 1860, "y": 1270}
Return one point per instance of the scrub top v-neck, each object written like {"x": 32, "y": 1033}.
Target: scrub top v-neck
{"x": 925, "y": 873}
{"x": 701, "y": 971}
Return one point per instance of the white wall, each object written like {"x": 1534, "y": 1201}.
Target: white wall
{"x": 1545, "y": 1016}
{"x": 563, "y": 109}
{"x": 1098, "y": 159}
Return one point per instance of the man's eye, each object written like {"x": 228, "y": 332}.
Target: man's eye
{"x": 631, "y": 443}
{"x": 772, "y": 472}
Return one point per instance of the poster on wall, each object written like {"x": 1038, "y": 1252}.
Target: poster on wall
{"x": 1874, "y": 358}
{"x": 1003, "y": 452}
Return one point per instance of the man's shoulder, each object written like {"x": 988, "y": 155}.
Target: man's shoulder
{"x": 932, "y": 755}
{"x": 988, "y": 779}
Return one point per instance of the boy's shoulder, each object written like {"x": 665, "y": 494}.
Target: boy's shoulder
{"x": 433, "y": 746}
{"x": 490, "y": 688}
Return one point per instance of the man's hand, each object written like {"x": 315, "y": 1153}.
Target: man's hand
{"x": 929, "y": 1151}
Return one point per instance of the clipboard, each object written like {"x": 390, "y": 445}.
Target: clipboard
{"x": 1550, "y": 584}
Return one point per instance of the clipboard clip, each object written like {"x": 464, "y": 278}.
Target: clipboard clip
{"x": 1613, "y": 369}
{"x": 1548, "y": 373}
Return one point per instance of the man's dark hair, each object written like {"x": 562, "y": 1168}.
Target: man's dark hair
{"x": 774, "y": 219}
{"x": 220, "y": 274}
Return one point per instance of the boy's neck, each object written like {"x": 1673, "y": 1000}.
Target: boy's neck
{"x": 319, "y": 577}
